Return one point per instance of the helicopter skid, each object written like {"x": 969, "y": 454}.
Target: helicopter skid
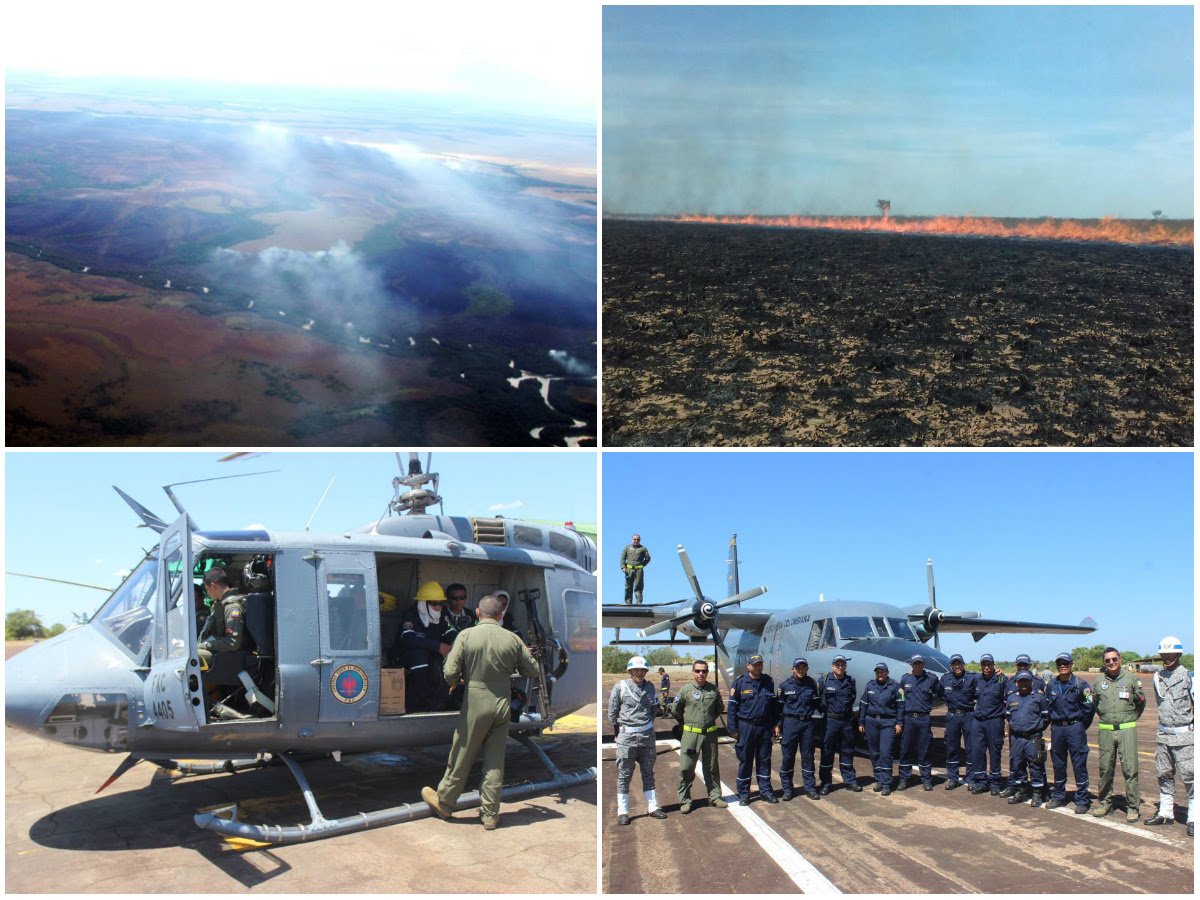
{"x": 224, "y": 821}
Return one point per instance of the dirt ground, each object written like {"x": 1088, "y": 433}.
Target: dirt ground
{"x": 138, "y": 837}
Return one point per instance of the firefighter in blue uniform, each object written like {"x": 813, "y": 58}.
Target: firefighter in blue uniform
{"x": 751, "y": 714}
{"x": 880, "y": 718}
{"x": 1071, "y": 712}
{"x": 920, "y": 688}
{"x": 1023, "y": 663}
{"x": 838, "y": 693}
{"x": 991, "y": 689}
{"x": 797, "y": 729}
{"x": 958, "y": 687}
{"x": 1028, "y": 712}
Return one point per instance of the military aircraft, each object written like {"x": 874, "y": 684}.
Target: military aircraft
{"x": 864, "y": 632}
{"x": 322, "y": 611}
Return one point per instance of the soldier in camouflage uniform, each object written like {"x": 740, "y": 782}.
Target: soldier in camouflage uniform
{"x": 631, "y": 709}
{"x": 225, "y": 629}
{"x": 634, "y": 559}
{"x": 1176, "y": 732}
{"x": 1120, "y": 702}
{"x": 697, "y": 709}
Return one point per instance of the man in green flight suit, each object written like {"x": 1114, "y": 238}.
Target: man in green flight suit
{"x": 225, "y": 629}
{"x": 697, "y": 708}
{"x": 1120, "y": 702}
{"x": 634, "y": 559}
{"x": 484, "y": 658}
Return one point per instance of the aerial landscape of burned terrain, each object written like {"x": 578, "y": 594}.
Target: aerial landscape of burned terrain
{"x": 293, "y": 270}
{"x": 741, "y": 334}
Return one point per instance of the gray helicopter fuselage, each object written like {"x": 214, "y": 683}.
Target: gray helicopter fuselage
{"x": 864, "y": 632}
{"x": 130, "y": 679}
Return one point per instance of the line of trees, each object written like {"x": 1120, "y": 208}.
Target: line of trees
{"x": 23, "y": 624}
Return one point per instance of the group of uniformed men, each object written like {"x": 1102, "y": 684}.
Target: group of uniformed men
{"x": 426, "y": 637}
{"x": 981, "y": 709}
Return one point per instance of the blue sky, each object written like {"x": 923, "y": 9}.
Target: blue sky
{"x": 1044, "y": 537}
{"x": 64, "y": 520}
{"x": 1006, "y": 111}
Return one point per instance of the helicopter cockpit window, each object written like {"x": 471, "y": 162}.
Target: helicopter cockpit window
{"x": 814, "y": 635}
{"x": 129, "y": 613}
{"x": 527, "y": 535}
{"x": 854, "y": 627}
{"x": 564, "y": 545}
{"x": 901, "y": 629}
{"x": 347, "y": 611}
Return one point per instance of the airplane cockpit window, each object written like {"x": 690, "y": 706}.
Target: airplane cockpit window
{"x": 854, "y": 627}
{"x": 814, "y": 636}
{"x": 880, "y": 626}
{"x": 527, "y": 536}
{"x": 901, "y": 629}
{"x": 347, "y": 611}
{"x": 129, "y": 612}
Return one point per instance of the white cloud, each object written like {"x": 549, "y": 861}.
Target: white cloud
{"x": 502, "y": 507}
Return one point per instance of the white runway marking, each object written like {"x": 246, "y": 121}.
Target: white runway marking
{"x": 804, "y": 874}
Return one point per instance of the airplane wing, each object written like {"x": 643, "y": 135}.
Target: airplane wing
{"x": 978, "y": 627}
{"x": 644, "y": 616}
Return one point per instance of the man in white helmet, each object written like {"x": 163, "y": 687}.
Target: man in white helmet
{"x": 1176, "y": 734}
{"x": 631, "y": 710}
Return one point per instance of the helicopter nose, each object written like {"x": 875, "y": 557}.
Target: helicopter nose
{"x": 77, "y": 670}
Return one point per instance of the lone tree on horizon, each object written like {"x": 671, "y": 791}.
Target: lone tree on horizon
{"x": 1157, "y": 214}
{"x": 885, "y": 207}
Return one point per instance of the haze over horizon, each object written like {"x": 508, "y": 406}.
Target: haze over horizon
{"x": 1067, "y": 112}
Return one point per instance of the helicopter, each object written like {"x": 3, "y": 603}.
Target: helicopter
{"x": 864, "y": 632}
{"x": 314, "y": 678}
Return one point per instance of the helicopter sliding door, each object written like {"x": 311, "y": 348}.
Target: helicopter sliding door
{"x": 348, "y": 613}
{"x": 174, "y": 696}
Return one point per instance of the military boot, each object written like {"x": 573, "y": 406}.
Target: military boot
{"x": 1057, "y": 804}
{"x": 1010, "y": 790}
{"x": 1018, "y": 795}
{"x": 1039, "y": 797}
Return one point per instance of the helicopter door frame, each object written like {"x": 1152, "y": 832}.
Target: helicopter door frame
{"x": 174, "y": 693}
{"x": 348, "y": 667}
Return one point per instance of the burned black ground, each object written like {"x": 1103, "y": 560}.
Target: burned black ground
{"x": 742, "y": 335}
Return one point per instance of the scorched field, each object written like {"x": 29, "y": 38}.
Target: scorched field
{"x": 755, "y": 336}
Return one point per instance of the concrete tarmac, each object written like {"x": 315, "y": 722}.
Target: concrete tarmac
{"x": 911, "y": 842}
{"x": 138, "y": 835}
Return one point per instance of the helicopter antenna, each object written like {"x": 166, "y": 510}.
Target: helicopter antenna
{"x": 179, "y": 506}
{"x": 95, "y": 587}
{"x": 319, "y": 502}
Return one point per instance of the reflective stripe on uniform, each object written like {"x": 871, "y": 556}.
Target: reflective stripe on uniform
{"x": 1121, "y": 727}
{"x": 709, "y": 730}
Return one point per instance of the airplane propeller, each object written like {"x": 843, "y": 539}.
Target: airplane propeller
{"x": 930, "y": 618}
{"x": 703, "y": 613}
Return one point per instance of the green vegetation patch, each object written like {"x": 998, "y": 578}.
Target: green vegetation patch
{"x": 487, "y": 302}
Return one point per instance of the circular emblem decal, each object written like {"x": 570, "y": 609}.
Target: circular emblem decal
{"x": 695, "y": 695}
{"x": 1104, "y": 685}
{"x": 348, "y": 684}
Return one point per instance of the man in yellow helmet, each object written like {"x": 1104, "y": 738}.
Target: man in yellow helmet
{"x": 422, "y": 649}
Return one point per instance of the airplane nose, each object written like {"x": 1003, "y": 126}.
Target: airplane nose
{"x": 75, "y": 688}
